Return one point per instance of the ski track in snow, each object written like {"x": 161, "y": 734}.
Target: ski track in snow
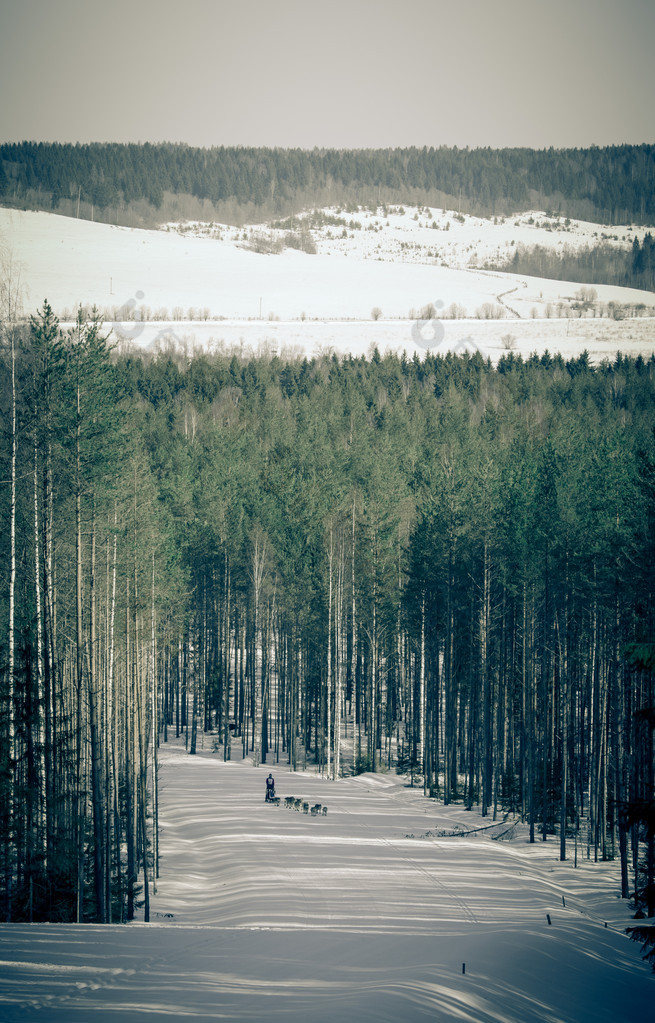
{"x": 364, "y": 915}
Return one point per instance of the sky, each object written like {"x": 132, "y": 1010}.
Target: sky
{"x": 339, "y": 74}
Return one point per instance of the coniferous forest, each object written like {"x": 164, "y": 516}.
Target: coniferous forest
{"x": 427, "y": 565}
{"x": 141, "y": 184}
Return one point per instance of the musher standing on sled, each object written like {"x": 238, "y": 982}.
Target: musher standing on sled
{"x": 270, "y": 787}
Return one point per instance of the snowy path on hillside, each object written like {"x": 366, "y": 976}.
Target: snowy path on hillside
{"x": 366, "y": 914}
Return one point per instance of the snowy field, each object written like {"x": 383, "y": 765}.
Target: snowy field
{"x": 201, "y": 285}
{"x": 374, "y": 912}
{"x": 293, "y": 339}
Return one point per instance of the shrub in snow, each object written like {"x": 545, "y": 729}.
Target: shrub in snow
{"x": 489, "y": 311}
{"x": 455, "y": 311}
{"x": 264, "y": 243}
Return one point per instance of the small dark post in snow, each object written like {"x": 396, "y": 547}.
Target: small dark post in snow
{"x": 548, "y": 919}
{"x": 563, "y": 901}
{"x": 464, "y": 965}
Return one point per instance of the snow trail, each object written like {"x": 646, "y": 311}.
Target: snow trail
{"x": 263, "y": 913}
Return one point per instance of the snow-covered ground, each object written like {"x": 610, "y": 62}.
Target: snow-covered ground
{"x": 411, "y": 234}
{"x": 294, "y": 338}
{"x": 201, "y": 284}
{"x": 374, "y": 912}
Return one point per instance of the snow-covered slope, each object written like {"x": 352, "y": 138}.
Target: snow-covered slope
{"x": 203, "y": 284}
{"x": 374, "y": 912}
{"x": 210, "y": 269}
{"x": 410, "y": 234}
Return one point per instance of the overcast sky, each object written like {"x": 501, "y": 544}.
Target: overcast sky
{"x": 336, "y": 73}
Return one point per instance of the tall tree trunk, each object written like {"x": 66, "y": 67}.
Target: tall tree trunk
{"x": 79, "y": 674}
{"x": 97, "y": 788}
{"x": 485, "y": 678}
{"x": 354, "y": 689}
{"x": 450, "y": 731}
{"x": 421, "y": 702}
{"x": 328, "y": 762}
{"x": 564, "y": 734}
{"x": 130, "y": 830}
{"x": 110, "y": 717}
{"x": 192, "y": 661}
{"x": 142, "y": 789}
{"x": 259, "y": 555}
{"x": 154, "y": 710}
{"x": 11, "y": 647}
{"x": 226, "y": 661}
{"x": 41, "y": 845}
{"x": 339, "y": 657}
{"x": 50, "y": 657}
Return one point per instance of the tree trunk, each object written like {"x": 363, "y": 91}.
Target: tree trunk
{"x": 79, "y": 675}
{"x": 328, "y": 762}
{"x": 130, "y": 831}
{"x": 226, "y": 662}
{"x": 97, "y": 788}
{"x": 421, "y": 702}
{"x": 41, "y": 845}
{"x": 11, "y": 643}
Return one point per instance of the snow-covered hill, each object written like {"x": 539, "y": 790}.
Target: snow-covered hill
{"x": 410, "y": 234}
{"x": 198, "y": 284}
{"x": 390, "y": 907}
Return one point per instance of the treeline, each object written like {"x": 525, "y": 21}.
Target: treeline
{"x": 90, "y": 587}
{"x": 598, "y": 264}
{"x": 642, "y": 262}
{"x": 426, "y": 565}
{"x": 611, "y": 184}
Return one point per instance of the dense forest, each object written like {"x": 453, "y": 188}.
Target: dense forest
{"x": 599, "y": 264}
{"x": 143, "y": 184}
{"x": 428, "y": 565}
